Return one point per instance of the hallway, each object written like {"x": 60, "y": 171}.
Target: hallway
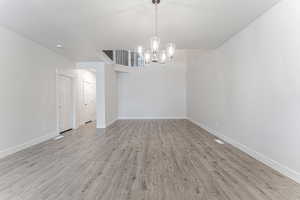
{"x": 136, "y": 160}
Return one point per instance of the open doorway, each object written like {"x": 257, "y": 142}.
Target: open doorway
{"x": 65, "y": 103}
{"x": 76, "y": 99}
{"x": 89, "y": 97}
{"x": 86, "y": 95}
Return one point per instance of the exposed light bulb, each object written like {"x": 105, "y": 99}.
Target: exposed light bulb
{"x": 154, "y": 44}
{"x": 147, "y": 57}
{"x": 171, "y": 50}
{"x": 140, "y": 50}
{"x": 155, "y": 57}
{"x": 162, "y": 57}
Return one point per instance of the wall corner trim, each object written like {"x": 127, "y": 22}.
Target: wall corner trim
{"x": 292, "y": 174}
{"x": 28, "y": 144}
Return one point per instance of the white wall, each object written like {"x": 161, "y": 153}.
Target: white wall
{"x": 28, "y": 91}
{"x": 111, "y": 94}
{"x": 154, "y": 92}
{"x": 100, "y": 90}
{"x": 248, "y": 90}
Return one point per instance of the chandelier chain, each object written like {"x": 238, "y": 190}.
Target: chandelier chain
{"x": 156, "y": 19}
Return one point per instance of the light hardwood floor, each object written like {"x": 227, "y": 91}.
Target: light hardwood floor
{"x": 140, "y": 160}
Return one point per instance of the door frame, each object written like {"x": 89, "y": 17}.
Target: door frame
{"x": 73, "y": 102}
{"x": 84, "y": 96}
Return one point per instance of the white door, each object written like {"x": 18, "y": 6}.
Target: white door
{"x": 65, "y": 103}
{"x": 89, "y": 92}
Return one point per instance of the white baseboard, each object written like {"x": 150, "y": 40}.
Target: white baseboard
{"x": 128, "y": 118}
{"x": 111, "y": 122}
{"x": 30, "y": 143}
{"x": 258, "y": 156}
{"x": 107, "y": 124}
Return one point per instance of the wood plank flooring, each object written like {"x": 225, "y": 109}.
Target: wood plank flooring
{"x": 140, "y": 160}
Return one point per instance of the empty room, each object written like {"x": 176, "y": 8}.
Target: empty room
{"x": 150, "y": 100}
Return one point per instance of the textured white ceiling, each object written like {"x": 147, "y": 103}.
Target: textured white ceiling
{"x": 87, "y": 26}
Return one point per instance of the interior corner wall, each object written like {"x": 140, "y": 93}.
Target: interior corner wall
{"x": 28, "y": 91}
{"x": 111, "y": 95}
{"x": 100, "y": 96}
{"x": 248, "y": 90}
{"x": 154, "y": 91}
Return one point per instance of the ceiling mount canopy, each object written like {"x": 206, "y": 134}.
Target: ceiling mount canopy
{"x": 155, "y": 1}
{"x": 156, "y": 53}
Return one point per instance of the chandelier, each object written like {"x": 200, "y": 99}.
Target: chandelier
{"x": 155, "y": 53}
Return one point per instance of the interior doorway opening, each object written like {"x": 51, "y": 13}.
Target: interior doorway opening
{"x": 65, "y": 103}
{"x": 87, "y": 95}
{"x": 76, "y": 98}
{"x": 89, "y": 98}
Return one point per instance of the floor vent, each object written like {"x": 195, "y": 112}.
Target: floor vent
{"x": 219, "y": 141}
